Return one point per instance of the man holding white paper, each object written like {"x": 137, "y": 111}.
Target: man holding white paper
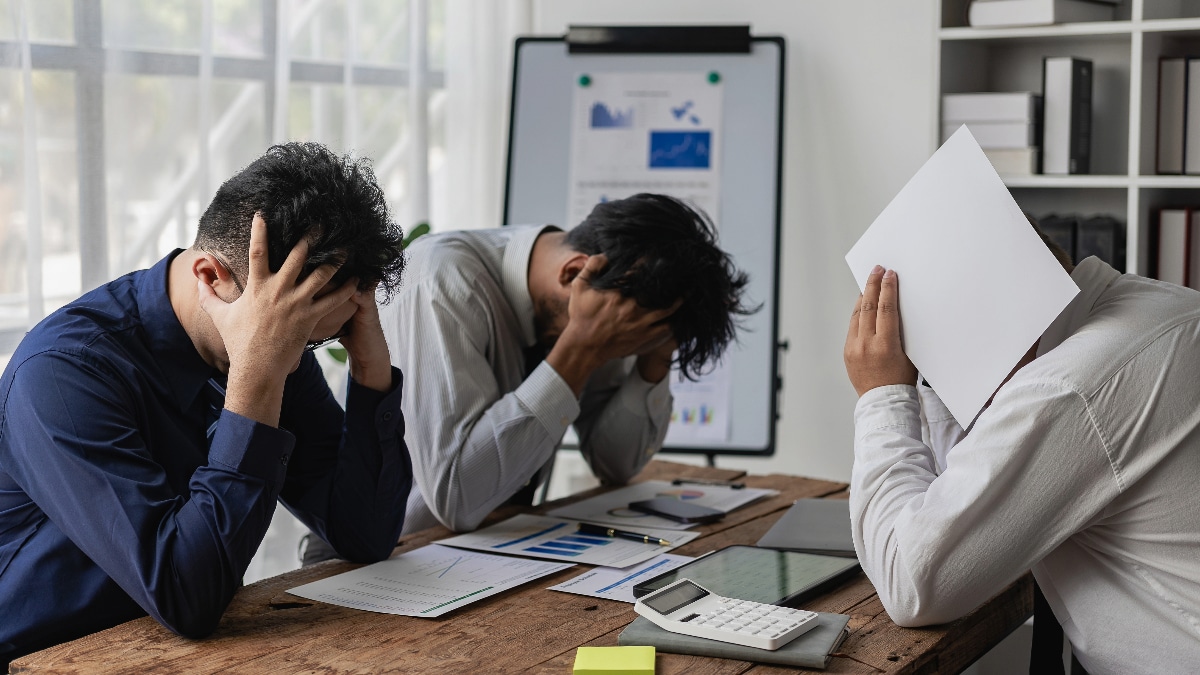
{"x": 1082, "y": 466}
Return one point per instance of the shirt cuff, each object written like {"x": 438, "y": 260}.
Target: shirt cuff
{"x": 378, "y": 409}
{"x": 251, "y": 448}
{"x": 890, "y": 406}
{"x": 639, "y": 396}
{"x": 549, "y": 398}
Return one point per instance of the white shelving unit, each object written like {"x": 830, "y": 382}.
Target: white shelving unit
{"x": 1125, "y": 52}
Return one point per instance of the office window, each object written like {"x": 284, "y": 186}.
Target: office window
{"x": 119, "y": 118}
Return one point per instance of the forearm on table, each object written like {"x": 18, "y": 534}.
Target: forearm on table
{"x": 619, "y": 436}
{"x": 468, "y": 465}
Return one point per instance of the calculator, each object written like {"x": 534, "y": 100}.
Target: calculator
{"x": 687, "y": 607}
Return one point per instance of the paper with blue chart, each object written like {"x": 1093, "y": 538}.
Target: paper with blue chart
{"x": 558, "y": 539}
{"x": 612, "y": 508}
{"x": 645, "y": 132}
{"x": 616, "y": 584}
{"x": 427, "y": 582}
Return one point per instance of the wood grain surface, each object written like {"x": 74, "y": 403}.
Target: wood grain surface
{"x": 526, "y": 630}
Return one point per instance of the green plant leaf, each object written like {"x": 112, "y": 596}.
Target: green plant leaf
{"x": 418, "y": 230}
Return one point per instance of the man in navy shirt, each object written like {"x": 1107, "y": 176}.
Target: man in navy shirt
{"x": 148, "y": 428}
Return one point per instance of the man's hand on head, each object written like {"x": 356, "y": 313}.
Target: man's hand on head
{"x": 874, "y": 355}
{"x": 370, "y": 362}
{"x": 604, "y": 325}
{"x": 265, "y": 330}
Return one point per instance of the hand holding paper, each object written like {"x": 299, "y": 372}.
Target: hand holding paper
{"x": 874, "y": 354}
{"x": 980, "y": 286}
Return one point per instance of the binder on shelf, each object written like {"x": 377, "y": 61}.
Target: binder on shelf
{"x": 1194, "y": 251}
{"x": 1172, "y": 106}
{"x": 1036, "y": 12}
{"x": 1103, "y": 237}
{"x": 1067, "y": 116}
{"x": 1173, "y": 247}
{"x": 1062, "y": 230}
{"x": 1191, "y": 119}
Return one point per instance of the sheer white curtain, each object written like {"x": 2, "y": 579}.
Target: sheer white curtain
{"x": 479, "y": 48}
{"x": 119, "y": 118}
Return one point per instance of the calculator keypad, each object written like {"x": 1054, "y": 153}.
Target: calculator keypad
{"x": 752, "y": 618}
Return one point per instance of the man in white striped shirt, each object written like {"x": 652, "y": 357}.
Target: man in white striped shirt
{"x": 508, "y": 336}
{"x": 1083, "y": 468}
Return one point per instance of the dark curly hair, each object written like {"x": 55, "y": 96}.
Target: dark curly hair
{"x": 660, "y": 250}
{"x": 305, "y": 190}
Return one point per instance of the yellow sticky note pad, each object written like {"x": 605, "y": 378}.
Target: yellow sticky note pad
{"x": 614, "y": 660}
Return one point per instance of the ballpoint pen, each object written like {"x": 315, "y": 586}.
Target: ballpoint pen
{"x": 600, "y": 530}
{"x": 701, "y": 481}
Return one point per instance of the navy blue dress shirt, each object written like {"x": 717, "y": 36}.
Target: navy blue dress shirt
{"x": 113, "y": 503}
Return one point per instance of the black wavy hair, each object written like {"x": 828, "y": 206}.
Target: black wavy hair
{"x": 661, "y": 250}
{"x": 305, "y": 190}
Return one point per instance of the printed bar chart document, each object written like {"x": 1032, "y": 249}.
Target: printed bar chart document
{"x": 617, "y": 584}
{"x": 427, "y": 582}
{"x": 558, "y": 539}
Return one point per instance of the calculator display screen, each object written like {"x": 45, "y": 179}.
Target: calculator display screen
{"x": 683, "y": 594}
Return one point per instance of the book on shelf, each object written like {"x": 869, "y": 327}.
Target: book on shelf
{"x": 1013, "y": 161}
{"x": 1191, "y": 119}
{"x": 1172, "y": 245}
{"x": 990, "y": 13}
{"x": 1008, "y": 135}
{"x": 992, "y": 106}
{"x": 1172, "y": 111}
{"x": 1067, "y": 115}
{"x": 1007, "y": 125}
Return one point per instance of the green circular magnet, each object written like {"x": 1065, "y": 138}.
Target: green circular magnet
{"x": 585, "y": 80}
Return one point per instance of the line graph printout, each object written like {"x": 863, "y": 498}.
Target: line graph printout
{"x": 645, "y": 132}
{"x": 615, "y": 584}
{"x": 427, "y": 582}
{"x": 558, "y": 539}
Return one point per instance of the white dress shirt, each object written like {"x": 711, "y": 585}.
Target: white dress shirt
{"x": 478, "y": 429}
{"x": 1085, "y": 469}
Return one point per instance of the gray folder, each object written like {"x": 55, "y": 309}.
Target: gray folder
{"x": 811, "y": 650}
{"x": 813, "y": 526}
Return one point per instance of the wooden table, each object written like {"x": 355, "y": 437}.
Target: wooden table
{"x": 528, "y": 630}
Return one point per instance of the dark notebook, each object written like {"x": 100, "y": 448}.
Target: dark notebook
{"x": 813, "y": 526}
{"x": 811, "y": 650}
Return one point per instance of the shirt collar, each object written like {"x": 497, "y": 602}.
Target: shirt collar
{"x": 515, "y": 277}
{"x": 1093, "y": 276}
{"x": 167, "y": 339}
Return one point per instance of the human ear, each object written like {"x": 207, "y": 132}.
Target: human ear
{"x": 206, "y": 268}
{"x": 571, "y": 268}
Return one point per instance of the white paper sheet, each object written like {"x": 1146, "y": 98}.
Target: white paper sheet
{"x": 612, "y": 507}
{"x": 644, "y": 132}
{"x": 557, "y": 539}
{"x": 616, "y": 584}
{"x": 977, "y": 285}
{"x": 427, "y": 582}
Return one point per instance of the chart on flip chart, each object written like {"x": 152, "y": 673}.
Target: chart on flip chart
{"x": 702, "y": 126}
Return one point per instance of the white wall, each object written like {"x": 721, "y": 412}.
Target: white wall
{"x": 860, "y": 121}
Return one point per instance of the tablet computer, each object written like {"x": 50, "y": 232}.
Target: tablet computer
{"x": 759, "y": 574}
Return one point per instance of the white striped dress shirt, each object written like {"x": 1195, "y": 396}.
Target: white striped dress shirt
{"x": 478, "y": 429}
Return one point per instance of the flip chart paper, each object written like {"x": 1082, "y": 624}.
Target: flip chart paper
{"x": 977, "y": 285}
